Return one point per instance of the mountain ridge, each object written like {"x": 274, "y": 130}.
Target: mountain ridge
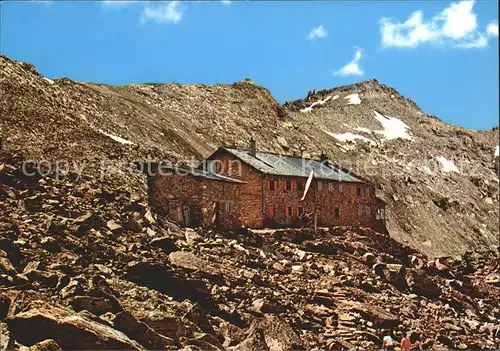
{"x": 324, "y": 91}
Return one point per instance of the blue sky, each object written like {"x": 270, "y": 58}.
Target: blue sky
{"x": 444, "y": 55}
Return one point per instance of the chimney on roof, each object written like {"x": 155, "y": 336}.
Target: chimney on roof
{"x": 253, "y": 148}
{"x": 324, "y": 158}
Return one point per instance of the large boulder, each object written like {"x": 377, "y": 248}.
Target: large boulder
{"x": 5, "y": 264}
{"x": 271, "y": 333}
{"x": 6, "y": 340}
{"x": 6, "y": 306}
{"x": 133, "y": 225}
{"x": 96, "y": 305}
{"x": 141, "y": 332}
{"x": 166, "y": 243}
{"x": 421, "y": 284}
{"x": 192, "y": 236}
{"x": 68, "y": 329}
{"x": 163, "y": 278}
{"x": 45, "y": 345}
{"x": 86, "y": 222}
{"x": 375, "y": 314}
{"x": 168, "y": 325}
{"x": 255, "y": 340}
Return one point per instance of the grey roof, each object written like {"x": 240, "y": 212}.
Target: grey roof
{"x": 291, "y": 166}
{"x": 198, "y": 173}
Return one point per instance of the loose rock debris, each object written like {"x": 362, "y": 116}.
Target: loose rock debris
{"x": 88, "y": 266}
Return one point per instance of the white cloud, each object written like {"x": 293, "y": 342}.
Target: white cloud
{"x": 408, "y": 34}
{"x": 459, "y": 21}
{"x": 225, "y": 2}
{"x": 352, "y": 68}
{"x": 166, "y": 12}
{"x": 456, "y": 25}
{"x": 317, "y": 32}
{"x": 492, "y": 29}
{"x": 481, "y": 41}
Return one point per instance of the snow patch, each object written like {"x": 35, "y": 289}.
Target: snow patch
{"x": 319, "y": 102}
{"x": 50, "y": 81}
{"x": 447, "y": 166}
{"x": 349, "y": 137}
{"x": 497, "y": 151}
{"x": 394, "y": 128}
{"x": 353, "y": 99}
{"x": 117, "y": 138}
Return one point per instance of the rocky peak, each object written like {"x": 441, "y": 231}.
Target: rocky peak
{"x": 369, "y": 90}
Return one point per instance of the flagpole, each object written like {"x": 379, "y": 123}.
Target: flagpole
{"x": 315, "y": 218}
{"x": 315, "y": 211}
{"x": 306, "y": 189}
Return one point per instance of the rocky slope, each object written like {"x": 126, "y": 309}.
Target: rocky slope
{"x": 84, "y": 264}
{"x": 87, "y": 266}
{"x": 438, "y": 180}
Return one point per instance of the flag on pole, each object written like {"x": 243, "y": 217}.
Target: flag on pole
{"x": 308, "y": 185}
